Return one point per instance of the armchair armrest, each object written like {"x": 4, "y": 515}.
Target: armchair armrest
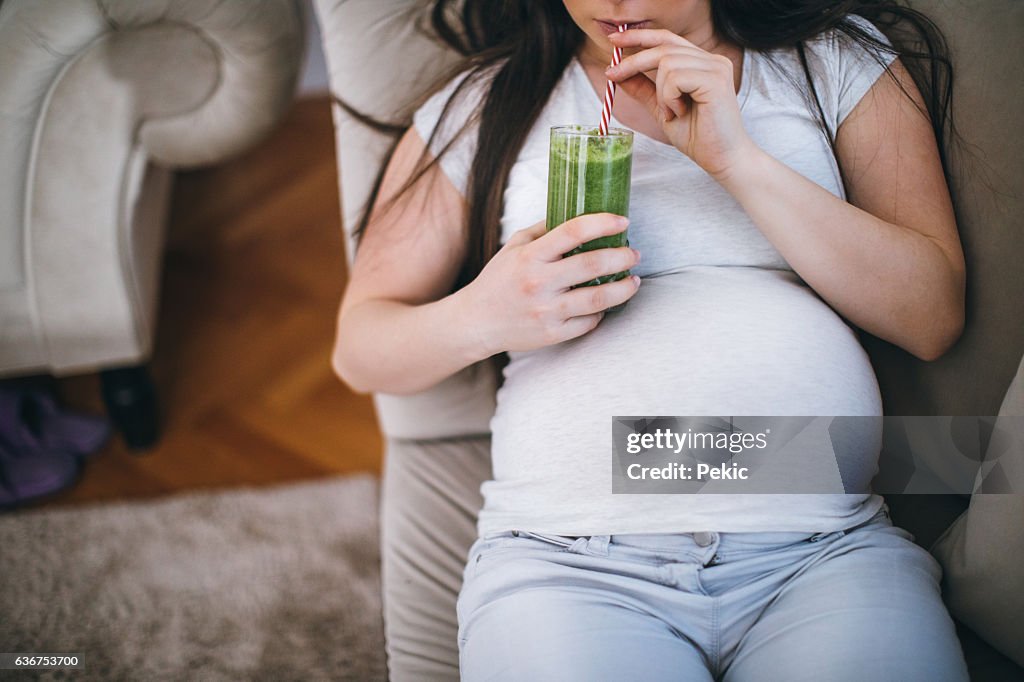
{"x": 92, "y": 94}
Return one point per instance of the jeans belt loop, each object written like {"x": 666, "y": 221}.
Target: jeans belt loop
{"x": 597, "y": 545}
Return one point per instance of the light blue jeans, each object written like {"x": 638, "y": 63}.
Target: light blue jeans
{"x": 858, "y": 604}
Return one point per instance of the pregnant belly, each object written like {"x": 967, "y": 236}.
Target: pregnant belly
{"x": 727, "y": 341}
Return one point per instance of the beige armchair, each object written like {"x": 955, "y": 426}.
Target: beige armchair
{"x": 438, "y": 443}
{"x": 99, "y": 102}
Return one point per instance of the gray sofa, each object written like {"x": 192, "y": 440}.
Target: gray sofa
{"x": 437, "y": 442}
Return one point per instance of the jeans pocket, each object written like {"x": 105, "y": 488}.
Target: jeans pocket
{"x": 517, "y": 541}
{"x": 476, "y": 550}
{"x": 497, "y": 551}
{"x": 880, "y": 519}
{"x": 556, "y": 540}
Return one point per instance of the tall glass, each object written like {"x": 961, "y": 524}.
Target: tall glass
{"x": 590, "y": 173}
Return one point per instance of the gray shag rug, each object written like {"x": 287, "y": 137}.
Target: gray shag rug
{"x": 278, "y": 583}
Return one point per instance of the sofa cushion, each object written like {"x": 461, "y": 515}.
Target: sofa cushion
{"x": 405, "y": 60}
{"x": 971, "y": 379}
{"x": 981, "y": 552}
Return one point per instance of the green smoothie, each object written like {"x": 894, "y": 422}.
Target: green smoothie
{"x": 590, "y": 173}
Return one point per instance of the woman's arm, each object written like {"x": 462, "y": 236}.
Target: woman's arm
{"x": 890, "y": 261}
{"x": 399, "y": 330}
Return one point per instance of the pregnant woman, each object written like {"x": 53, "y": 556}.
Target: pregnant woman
{"x": 788, "y": 187}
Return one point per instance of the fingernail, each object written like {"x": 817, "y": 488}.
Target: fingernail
{"x": 637, "y": 254}
{"x": 611, "y": 70}
{"x": 636, "y": 280}
{"x": 623, "y": 221}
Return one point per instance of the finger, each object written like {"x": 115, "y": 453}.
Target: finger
{"x": 588, "y": 265}
{"x": 579, "y": 230}
{"x": 647, "y": 37}
{"x": 654, "y": 58}
{"x": 578, "y": 326}
{"x": 640, "y": 88}
{"x": 643, "y": 90}
{"x": 527, "y": 234}
{"x": 672, "y": 100}
{"x": 679, "y": 69}
{"x": 583, "y": 301}
{"x": 669, "y": 108}
{"x": 677, "y": 85}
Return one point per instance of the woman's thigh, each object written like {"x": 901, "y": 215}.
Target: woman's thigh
{"x": 868, "y": 607}
{"x": 534, "y": 612}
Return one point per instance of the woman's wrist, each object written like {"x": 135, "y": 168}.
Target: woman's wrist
{"x": 473, "y": 343}
{"x": 748, "y": 168}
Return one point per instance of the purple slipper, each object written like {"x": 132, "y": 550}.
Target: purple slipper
{"x": 27, "y": 476}
{"x": 31, "y": 421}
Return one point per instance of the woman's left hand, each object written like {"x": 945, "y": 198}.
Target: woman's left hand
{"x": 693, "y": 97}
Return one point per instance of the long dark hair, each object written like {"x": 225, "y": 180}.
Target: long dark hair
{"x": 528, "y": 43}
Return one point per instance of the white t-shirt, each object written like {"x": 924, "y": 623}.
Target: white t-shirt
{"x": 721, "y": 325}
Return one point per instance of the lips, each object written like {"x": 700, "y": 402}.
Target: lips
{"x": 610, "y": 26}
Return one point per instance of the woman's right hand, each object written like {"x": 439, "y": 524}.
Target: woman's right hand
{"x": 522, "y": 299}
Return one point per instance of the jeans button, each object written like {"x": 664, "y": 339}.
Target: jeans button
{"x": 703, "y": 539}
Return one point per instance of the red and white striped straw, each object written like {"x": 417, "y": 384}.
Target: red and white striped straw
{"x": 609, "y": 91}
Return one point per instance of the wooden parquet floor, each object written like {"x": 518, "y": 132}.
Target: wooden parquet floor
{"x": 253, "y": 276}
